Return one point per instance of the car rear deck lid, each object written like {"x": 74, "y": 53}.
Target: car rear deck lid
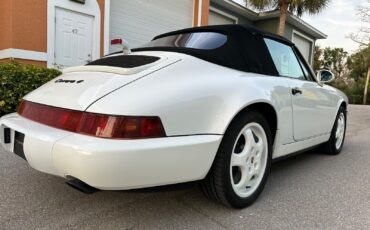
{"x": 119, "y": 64}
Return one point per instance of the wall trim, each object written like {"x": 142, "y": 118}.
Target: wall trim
{"x": 218, "y": 11}
{"x": 106, "y": 26}
{"x": 91, "y": 7}
{"x": 307, "y": 38}
{"x": 23, "y": 54}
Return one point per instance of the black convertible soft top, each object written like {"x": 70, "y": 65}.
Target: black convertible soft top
{"x": 244, "y": 49}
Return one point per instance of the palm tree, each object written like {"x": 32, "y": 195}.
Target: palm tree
{"x": 297, "y": 7}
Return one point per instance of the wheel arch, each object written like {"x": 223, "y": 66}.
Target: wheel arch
{"x": 343, "y": 104}
{"x": 266, "y": 109}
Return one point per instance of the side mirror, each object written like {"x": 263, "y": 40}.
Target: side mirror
{"x": 325, "y": 76}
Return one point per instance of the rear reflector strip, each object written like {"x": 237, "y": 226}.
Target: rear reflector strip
{"x": 99, "y": 125}
{"x": 7, "y": 137}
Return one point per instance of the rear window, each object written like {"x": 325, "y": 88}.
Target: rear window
{"x": 197, "y": 40}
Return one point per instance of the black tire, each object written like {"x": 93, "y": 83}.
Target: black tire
{"x": 330, "y": 147}
{"x": 217, "y": 185}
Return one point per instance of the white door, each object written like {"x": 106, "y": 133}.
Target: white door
{"x": 138, "y": 21}
{"x": 216, "y": 18}
{"x": 73, "y": 38}
{"x": 313, "y": 106}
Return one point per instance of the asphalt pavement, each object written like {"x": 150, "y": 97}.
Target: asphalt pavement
{"x": 307, "y": 191}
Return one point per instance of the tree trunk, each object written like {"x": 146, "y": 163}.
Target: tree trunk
{"x": 366, "y": 85}
{"x": 283, "y": 13}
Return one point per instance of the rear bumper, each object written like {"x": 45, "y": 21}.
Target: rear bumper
{"x": 113, "y": 164}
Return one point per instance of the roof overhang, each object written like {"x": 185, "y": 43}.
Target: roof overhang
{"x": 253, "y": 16}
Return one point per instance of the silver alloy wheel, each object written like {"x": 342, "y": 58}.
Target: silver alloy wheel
{"x": 339, "y": 133}
{"x": 248, "y": 159}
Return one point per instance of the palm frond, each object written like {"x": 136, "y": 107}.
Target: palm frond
{"x": 315, "y": 6}
{"x": 262, "y": 4}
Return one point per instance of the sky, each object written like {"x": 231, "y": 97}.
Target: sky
{"x": 338, "y": 20}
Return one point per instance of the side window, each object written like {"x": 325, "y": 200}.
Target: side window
{"x": 307, "y": 73}
{"x": 285, "y": 60}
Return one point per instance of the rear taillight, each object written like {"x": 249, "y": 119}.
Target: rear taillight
{"x": 99, "y": 125}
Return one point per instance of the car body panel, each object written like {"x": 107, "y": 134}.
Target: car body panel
{"x": 196, "y": 101}
{"x": 86, "y": 87}
{"x": 199, "y": 100}
{"x": 113, "y": 164}
{"x": 313, "y": 110}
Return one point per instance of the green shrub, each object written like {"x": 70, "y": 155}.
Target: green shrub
{"x": 16, "y": 80}
{"x": 354, "y": 91}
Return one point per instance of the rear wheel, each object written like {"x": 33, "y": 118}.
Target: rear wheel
{"x": 335, "y": 144}
{"x": 242, "y": 163}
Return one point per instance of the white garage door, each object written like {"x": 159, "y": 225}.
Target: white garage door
{"x": 304, "y": 45}
{"x": 138, "y": 21}
{"x": 216, "y": 18}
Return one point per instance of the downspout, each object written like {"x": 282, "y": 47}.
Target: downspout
{"x": 200, "y": 9}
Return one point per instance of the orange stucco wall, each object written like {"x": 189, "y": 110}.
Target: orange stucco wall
{"x": 5, "y": 24}
{"x": 23, "y": 26}
{"x": 29, "y": 25}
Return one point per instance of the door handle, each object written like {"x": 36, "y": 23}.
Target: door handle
{"x": 296, "y": 91}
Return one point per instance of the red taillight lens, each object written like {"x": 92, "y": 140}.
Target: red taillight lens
{"x": 52, "y": 116}
{"x": 100, "y": 125}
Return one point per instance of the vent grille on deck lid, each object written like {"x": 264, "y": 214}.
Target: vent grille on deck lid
{"x": 125, "y": 61}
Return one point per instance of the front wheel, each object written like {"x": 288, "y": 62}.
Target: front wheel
{"x": 242, "y": 163}
{"x": 335, "y": 144}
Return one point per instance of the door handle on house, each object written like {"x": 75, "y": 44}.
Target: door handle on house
{"x": 296, "y": 91}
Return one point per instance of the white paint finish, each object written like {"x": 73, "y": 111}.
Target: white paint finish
{"x": 95, "y": 85}
{"x": 138, "y": 21}
{"x": 73, "y": 45}
{"x": 304, "y": 44}
{"x": 23, "y": 54}
{"x": 39, "y": 142}
{"x": 90, "y": 7}
{"x": 218, "y": 17}
{"x": 203, "y": 100}
{"x": 314, "y": 110}
{"x": 115, "y": 164}
{"x": 127, "y": 164}
{"x": 286, "y": 149}
{"x": 189, "y": 101}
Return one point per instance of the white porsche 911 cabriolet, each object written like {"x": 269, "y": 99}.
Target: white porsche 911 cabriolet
{"x": 214, "y": 103}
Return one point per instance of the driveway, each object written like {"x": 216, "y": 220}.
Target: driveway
{"x": 308, "y": 191}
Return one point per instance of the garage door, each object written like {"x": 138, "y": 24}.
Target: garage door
{"x": 138, "y": 21}
{"x": 304, "y": 45}
{"x": 216, "y": 18}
